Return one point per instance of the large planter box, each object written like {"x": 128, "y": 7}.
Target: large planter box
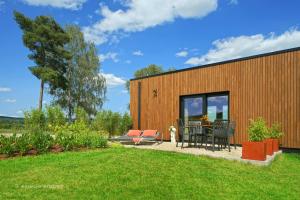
{"x": 275, "y": 145}
{"x": 254, "y": 151}
{"x": 269, "y": 149}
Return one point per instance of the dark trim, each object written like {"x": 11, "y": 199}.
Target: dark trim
{"x": 139, "y": 104}
{"x": 222, "y": 62}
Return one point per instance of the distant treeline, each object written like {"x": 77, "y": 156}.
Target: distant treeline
{"x": 11, "y": 122}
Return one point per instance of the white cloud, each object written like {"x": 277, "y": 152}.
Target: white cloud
{"x": 128, "y": 61}
{"x": 66, "y": 4}
{"x": 182, "y": 54}
{"x": 233, "y": 2}
{"x": 5, "y": 89}
{"x": 10, "y": 100}
{"x": 19, "y": 112}
{"x": 109, "y": 56}
{"x": 124, "y": 92}
{"x": 144, "y": 14}
{"x": 112, "y": 80}
{"x": 138, "y": 53}
{"x": 242, "y": 46}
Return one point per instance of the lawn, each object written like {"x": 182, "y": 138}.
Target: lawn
{"x": 120, "y": 173}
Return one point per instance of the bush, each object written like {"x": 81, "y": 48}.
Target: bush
{"x": 42, "y": 141}
{"x": 112, "y": 122}
{"x": 79, "y": 135}
{"x": 55, "y": 117}
{"x": 8, "y": 144}
{"x": 257, "y": 130}
{"x": 81, "y": 115}
{"x": 125, "y": 123}
{"x": 35, "y": 120}
{"x": 275, "y": 131}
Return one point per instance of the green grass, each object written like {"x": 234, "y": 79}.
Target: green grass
{"x": 119, "y": 173}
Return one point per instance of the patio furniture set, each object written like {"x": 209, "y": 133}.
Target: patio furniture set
{"x": 214, "y": 133}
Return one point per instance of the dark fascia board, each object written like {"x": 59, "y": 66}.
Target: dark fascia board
{"x": 222, "y": 62}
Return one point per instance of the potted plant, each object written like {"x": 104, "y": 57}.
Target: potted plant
{"x": 269, "y": 143}
{"x": 275, "y": 134}
{"x": 255, "y": 148}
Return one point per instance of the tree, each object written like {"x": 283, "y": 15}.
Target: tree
{"x": 146, "y": 71}
{"x": 86, "y": 88}
{"x": 45, "y": 39}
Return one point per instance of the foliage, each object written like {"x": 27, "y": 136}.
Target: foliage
{"x": 78, "y": 135}
{"x": 275, "y": 131}
{"x": 35, "y": 120}
{"x": 46, "y": 40}
{"x": 257, "y": 130}
{"x": 112, "y": 122}
{"x": 81, "y": 116}
{"x": 42, "y": 141}
{"x": 86, "y": 88}
{"x": 125, "y": 123}
{"x": 55, "y": 117}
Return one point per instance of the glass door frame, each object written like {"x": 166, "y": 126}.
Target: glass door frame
{"x": 204, "y": 104}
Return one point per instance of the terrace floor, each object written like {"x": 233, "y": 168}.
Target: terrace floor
{"x": 234, "y": 154}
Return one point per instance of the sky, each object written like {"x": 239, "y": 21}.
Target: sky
{"x": 131, "y": 34}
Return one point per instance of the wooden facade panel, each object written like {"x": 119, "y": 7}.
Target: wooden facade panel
{"x": 267, "y": 86}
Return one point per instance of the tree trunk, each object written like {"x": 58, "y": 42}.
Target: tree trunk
{"x": 41, "y": 95}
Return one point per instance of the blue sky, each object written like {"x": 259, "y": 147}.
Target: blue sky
{"x": 131, "y": 34}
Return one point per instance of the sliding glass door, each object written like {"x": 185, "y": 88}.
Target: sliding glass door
{"x": 215, "y": 106}
{"x": 192, "y": 108}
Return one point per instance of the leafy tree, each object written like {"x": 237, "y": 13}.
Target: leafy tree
{"x": 108, "y": 121}
{"x": 146, "y": 71}
{"x": 45, "y": 39}
{"x": 86, "y": 88}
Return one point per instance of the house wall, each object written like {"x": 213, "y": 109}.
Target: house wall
{"x": 267, "y": 86}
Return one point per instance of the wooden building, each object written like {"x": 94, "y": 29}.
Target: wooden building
{"x": 266, "y": 85}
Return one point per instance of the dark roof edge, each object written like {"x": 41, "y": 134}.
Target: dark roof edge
{"x": 222, "y": 62}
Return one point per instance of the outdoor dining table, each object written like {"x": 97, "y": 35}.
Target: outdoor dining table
{"x": 191, "y": 132}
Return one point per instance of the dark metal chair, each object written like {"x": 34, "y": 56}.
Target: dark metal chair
{"x": 218, "y": 134}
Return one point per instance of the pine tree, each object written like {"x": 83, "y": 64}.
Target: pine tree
{"x": 45, "y": 39}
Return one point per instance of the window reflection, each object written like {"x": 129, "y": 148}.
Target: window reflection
{"x": 217, "y": 107}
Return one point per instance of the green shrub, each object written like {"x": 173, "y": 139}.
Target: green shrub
{"x": 108, "y": 121}
{"x": 257, "y": 130}
{"x": 81, "y": 115}
{"x": 24, "y": 143}
{"x": 42, "y": 141}
{"x": 55, "y": 117}
{"x": 125, "y": 123}
{"x": 275, "y": 131}
{"x": 8, "y": 144}
{"x": 79, "y": 135}
{"x": 35, "y": 120}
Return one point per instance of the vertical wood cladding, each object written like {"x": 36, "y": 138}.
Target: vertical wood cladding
{"x": 266, "y": 86}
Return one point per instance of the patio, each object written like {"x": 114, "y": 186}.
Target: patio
{"x": 234, "y": 155}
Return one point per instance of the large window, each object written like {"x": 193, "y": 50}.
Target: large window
{"x": 215, "y": 106}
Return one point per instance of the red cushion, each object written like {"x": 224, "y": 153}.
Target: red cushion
{"x": 149, "y": 133}
{"x": 133, "y": 133}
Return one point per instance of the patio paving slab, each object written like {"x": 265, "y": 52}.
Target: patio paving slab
{"x": 235, "y": 154}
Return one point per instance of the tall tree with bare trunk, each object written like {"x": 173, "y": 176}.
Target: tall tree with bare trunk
{"x": 46, "y": 40}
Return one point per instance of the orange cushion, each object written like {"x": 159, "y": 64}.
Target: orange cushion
{"x": 149, "y": 133}
{"x": 133, "y": 133}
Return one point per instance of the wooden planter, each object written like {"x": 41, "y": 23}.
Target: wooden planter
{"x": 254, "y": 150}
{"x": 269, "y": 149}
{"x": 275, "y": 145}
